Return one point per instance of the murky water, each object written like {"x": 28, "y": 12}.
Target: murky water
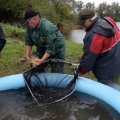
{"x": 77, "y": 35}
{"x": 15, "y": 105}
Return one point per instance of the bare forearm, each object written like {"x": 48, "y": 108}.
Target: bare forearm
{"x": 28, "y": 50}
{"x": 46, "y": 56}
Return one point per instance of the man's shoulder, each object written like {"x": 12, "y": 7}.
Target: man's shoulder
{"x": 45, "y": 21}
{"x": 46, "y": 25}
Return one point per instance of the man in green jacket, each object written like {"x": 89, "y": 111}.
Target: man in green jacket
{"x": 44, "y": 35}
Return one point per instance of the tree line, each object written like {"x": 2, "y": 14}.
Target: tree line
{"x": 54, "y": 10}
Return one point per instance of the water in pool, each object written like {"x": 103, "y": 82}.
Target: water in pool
{"x": 15, "y": 105}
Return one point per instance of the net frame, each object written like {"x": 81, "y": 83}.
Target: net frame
{"x": 71, "y": 86}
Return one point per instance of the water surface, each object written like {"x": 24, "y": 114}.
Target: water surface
{"x": 15, "y": 105}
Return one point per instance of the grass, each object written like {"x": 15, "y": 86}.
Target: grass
{"x": 13, "y": 31}
{"x": 10, "y": 62}
{"x": 12, "y": 59}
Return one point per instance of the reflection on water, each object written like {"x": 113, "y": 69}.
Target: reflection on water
{"x": 118, "y": 24}
{"x": 78, "y": 35}
{"x": 14, "y": 105}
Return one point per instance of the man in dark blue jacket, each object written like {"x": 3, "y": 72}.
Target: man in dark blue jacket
{"x": 101, "y": 46}
{"x": 2, "y": 39}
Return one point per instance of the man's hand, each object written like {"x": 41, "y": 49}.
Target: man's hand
{"x": 37, "y": 62}
{"x": 81, "y": 71}
{"x": 31, "y": 61}
{"x": 77, "y": 71}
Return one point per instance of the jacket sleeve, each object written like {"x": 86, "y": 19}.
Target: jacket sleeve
{"x": 2, "y": 39}
{"x": 92, "y": 48}
{"x": 28, "y": 40}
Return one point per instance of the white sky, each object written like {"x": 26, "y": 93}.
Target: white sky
{"x": 97, "y": 2}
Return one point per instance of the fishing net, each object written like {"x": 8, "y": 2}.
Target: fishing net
{"x": 51, "y": 81}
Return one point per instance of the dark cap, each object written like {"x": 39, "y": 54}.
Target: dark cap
{"x": 84, "y": 15}
{"x": 29, "y": 13}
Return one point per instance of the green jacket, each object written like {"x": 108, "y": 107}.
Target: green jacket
{"x": 47, "y": 38}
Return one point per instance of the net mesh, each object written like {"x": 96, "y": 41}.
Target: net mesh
{"x": 52, "y": 81}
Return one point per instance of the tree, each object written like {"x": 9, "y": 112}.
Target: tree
{"x": 102, "y": 8}
{"x": 64, "y": 11}
{"x": 10, "y": 11}
{"x": 80, "y": 5}
{"x": 115, "y": 11}
{"x": 90, "y": 5}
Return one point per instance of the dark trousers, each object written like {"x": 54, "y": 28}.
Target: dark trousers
{"x": 115, "y": 79}
{"x": 106, "y": 82}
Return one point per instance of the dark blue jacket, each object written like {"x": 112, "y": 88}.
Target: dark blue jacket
{"x": 101, "y": 49}
{"x": 2, "y": 39}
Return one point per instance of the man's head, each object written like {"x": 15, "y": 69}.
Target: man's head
{"x": 84, "y": 16}
{"x": 31, "y": 18}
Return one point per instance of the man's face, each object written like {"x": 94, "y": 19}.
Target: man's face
{"x": 87, "y": 23}
{"x": 32, "y": 23}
